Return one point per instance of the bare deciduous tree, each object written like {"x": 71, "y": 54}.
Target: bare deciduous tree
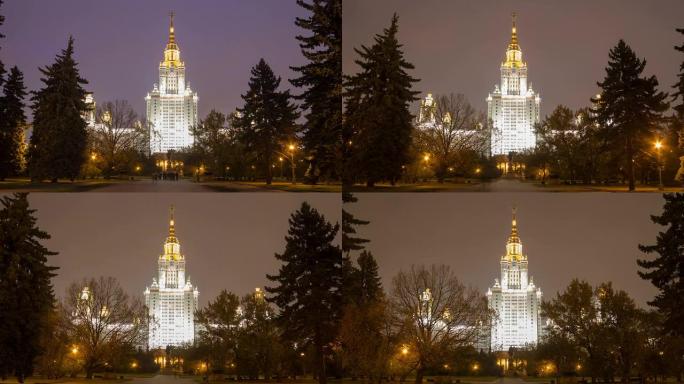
{"x": 457, "y": 135}
{"x": 117, "y": 136}
{"x": 102, "y": 321}
{"x": 434, "y": 313}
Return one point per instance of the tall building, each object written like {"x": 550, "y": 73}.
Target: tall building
{"x": 171, "y": 105}
{"x": 515, "y": 299}
{"x": 171, "y": 298}
{"x": 513, "y": 107}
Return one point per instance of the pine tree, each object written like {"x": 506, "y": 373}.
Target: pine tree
{"x": 267, "y": 119}
{"x": 665, "y": 271}
{"x": 58, "y": 143}
{"x": 322, "y": 76}
{"x": 309, "y": 284}
{"x": 26, "y": 295}
{"x": 11, "y": 125}
{"x": 378, "y": 129}
{"x": 630, "y": 107}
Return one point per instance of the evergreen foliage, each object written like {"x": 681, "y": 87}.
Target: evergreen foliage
{"x": 267, "y": 120}
{"x": 322, "y": 77}
{"x": 26, "y": 295}
{"x": 378, "y": 122}
{"x": 59, "y": 139}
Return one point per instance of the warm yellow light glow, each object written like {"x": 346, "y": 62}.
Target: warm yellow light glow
{"x": 280, "y": 159}
{"x": 404, "y": 350}
{"x": 477, "y": 170}
{"x": 658, "y": 144}
{"x": 446, "y": 366}
{"x": 93, "y": 156}
{"x": 137, "y": 168}
{"x": 134, "y": 365}
{"x": 578, "y": 366}
{"x": 476, "y": 367}
{"x": 426, "y": 157}
{"x": 291, "y": 147}
{"x": 302, "y": 354}
{"x": 74, "y": 350}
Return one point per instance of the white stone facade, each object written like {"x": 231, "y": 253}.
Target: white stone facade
{"x": 513, "y": 107}
{"x": 171, "y": 299}
{"x": 515, "y": 299}
{"x": 172, "y": 104}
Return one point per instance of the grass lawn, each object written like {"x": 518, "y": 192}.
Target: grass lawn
{"x": 25, "y": 185}
{"x": 232, "y": 186}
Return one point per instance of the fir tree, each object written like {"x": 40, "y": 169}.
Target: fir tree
{"x": 679, "y": 87}
{"x": 12, "y": 124}
{"x": 26, "y": 295}
{"x": 666, "y": 270}
{"x": 2, "y": 99}
{"x": 349, "y": 224}
{"x": 630, "y": 107}
{"x": 379, "y": 125}
{"x": 309, "y": 284}
{"x": 322, "y": 76}
{"x": 367, "y": 280}
{"x": 58, "y": 143}
{"x": 267, "y": 119}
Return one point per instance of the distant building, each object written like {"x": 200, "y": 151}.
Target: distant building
{"x": 171, "y": 299}
{"x": 515, "y": 299}
{"x": 91, "y": 107}
{"x": 514, "y": 107}
{"x": 171, "y": 105}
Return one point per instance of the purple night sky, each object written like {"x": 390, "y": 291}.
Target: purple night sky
{"x": 228, "y": 240}
{"x": 119, "y": 44}
{"x": 457, "y": 46}
{"x": 591, "y": 236}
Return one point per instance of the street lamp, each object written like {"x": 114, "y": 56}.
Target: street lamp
{"x": 658, "y": 145}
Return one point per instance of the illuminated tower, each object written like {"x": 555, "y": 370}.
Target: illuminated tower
{"x": 171, "y": 105}
{"x": 171, "y": 298}
{"x": 515, "y": 299}
{"x": 513, "y": 107}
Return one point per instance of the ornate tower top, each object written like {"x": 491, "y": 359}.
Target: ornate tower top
{"x": 514, "y": 245}
{"x": 513, "y": 52}
{"x": 171, "y": 245}
{"x": 172, "y": 52}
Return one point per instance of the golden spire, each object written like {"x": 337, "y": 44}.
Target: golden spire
{"x": 514, "y": 34}
{"x": 172, "y": 223}
{"x": 514, "y": 238}
{"x": 171, "y": 245}
{"x": 513, "y": 52}
{"x": 172, "y": 52}
{"x": 172, "y": 33}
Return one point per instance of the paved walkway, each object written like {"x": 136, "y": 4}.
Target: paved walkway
{"x": 163, "y": 379}
{"x": 149, "y": 185}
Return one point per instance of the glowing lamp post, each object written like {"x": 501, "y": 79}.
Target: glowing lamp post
{"x": 291, "y": 149}
{"x": 658, "y": 145}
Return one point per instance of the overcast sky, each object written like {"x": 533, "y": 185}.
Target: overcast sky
{"x": 457, "y": 46}
{"x": 228, "y": 241}
{"x": 592, "y": 236}
{"x": 119, "y": 44}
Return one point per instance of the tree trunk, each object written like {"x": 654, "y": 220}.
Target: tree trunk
{"x": 419, "y": 375}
